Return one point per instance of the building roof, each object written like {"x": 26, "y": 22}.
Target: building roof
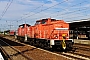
{"x": 75, "y": 21}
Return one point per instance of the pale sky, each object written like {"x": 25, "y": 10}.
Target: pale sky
{"x": 21, "y": 11}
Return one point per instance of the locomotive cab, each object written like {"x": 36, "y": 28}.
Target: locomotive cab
{"x": 44, "y": 21}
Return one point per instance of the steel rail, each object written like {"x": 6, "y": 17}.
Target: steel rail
{"x": 16, "y": 50}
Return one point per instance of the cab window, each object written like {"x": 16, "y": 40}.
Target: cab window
{"x": 43, "y": 22}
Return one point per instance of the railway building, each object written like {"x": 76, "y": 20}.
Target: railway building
{"x": 80, "y": 31}
{"x": 80, "y": 28}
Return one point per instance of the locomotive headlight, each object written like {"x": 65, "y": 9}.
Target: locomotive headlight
{"x": 55, "y": 36}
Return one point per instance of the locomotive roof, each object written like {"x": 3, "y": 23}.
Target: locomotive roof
{"x": 24, "y": 24}
{"x": 45, "y": 19}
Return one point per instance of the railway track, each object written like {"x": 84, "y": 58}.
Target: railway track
{"x": 71, "y": 55}
{"x": 33, "y": 52}
{"x": 75, "y": 56}
{"x": 14, "y": 54}
{"x": 82, "y": 47}
{"x": 79, "y": 52}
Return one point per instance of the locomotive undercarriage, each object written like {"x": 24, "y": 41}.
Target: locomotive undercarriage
{"x": 43, "y": 43}
{"x": 68, "y": 43}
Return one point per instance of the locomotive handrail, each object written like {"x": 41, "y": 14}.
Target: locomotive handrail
{"x": 61, "y": 28}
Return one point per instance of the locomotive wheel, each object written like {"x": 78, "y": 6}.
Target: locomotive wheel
{"x": 42, "y": 46}
{"x": 53, "y": 48}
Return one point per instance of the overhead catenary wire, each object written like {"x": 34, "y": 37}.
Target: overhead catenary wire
{"x": 59, "y": 15}
{"x": 78, "y": 16}
{"x": 51, "y": 7}
{"x": 45, "y": 9}
{"x": 64, "y": 9}
{"x": 71, "y": 11}
{"x": 6, "y": 8}
{"x": 25, "y": 14}
{"x": 85, "y": 10}
{"x": 71, "y": 6}
{"x": 35, "y": 8}
{"x": 74, "y": 11}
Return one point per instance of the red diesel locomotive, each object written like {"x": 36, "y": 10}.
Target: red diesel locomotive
{"x": 49, "y": 32}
